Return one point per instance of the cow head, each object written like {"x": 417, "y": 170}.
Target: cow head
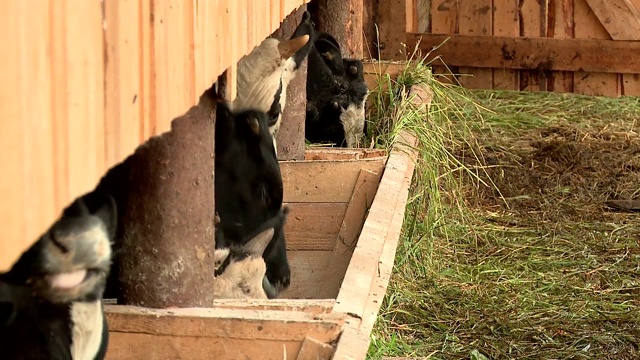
{"x": 264, "y": 74}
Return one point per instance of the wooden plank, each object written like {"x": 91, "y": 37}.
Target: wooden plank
{"x": 506, "y": 22}
{"x": 324, "y": 181}
{"x": 444, "y": 20}
{"x": 475, "y": 18}
{"x": 560, "y": 25}
{"x": 364, "y": 262}
{"x": 534, "y": 53}
{"x": 595, "y": 82}
{"x": 392, "y": 29}
{"x": 122, "y": 83}
{"x": 163, "y": 347}
{"x": 307, "y": 268}
{"x": 314, "y": 307}
{"x": 532, "y": 24}
{"x": 617, "y": 17}
{"x": 27, "y": 181}
{"x": 343, "y": 154}
{"x": 361, "y": 200}
{"x": 621, "y": 19}
{"x": 372, "y": 261}
{"x": 375, "y": 69}
{"x": 174, "y": 87}
{"x": 222, "y": 323}
{"x": 313, "y": 349}
{"x": 313, "y": 226}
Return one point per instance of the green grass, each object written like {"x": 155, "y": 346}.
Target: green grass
{"x": 507, "y": 250}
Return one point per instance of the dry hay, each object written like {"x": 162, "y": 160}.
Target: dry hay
{"x": 534, "y": 265}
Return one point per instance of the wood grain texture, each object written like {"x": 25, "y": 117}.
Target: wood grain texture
{"x": 444, "y": 20}
{"x": 475, "y": 18}
{"x": 107, "y": 79}
{"x": 621, "y": 19}
{"x": 355, "y": 215}
{"x": 373, "y": 258}
{"x": 592, "y": 55}
{"x": 392, "y": 28}
{"x": 561, "y": 24}
{"x": 596, "y": 82}
{"x": 532, "y": 15}
{"x": 324, "y": 181}
{"x": 313, "y": 226}
{"x": 313, "y": 349}
{"x": 196, "y": 333}
{"x": 506, "y": 22}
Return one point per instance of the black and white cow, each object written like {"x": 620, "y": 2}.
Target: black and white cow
{"x": 51, "y": 299}
{"x": 241, "y": 269}
{"x": 336, "y": 95}
{"x": 265, "y": 73}
{"x": 248, "y": 187}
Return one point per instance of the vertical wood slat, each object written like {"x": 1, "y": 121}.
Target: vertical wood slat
{"x": 392, "y": 27}
{"x": 444, "y": 20}
{"x": 587, "y": 26}
{"x": 475, "y": 18}
{"x": 506, "y": 23}
{"x": 532, "y": 19}
{"x": 561, "y": 25}
{"x": 80, "y": 91}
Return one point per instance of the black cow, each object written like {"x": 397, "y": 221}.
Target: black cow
{"x": 264, "y": 74}
{"x": 51, "y": 299}
{"x": 248, "y": 186}
{"x": 336, "y": 95}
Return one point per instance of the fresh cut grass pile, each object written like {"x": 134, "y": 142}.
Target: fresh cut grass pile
{"x": 509, "y": 250}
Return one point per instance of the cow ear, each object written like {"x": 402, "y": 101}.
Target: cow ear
{"x": 330, "y": 53}
{"x": 254, "y": 124}
{"x": 224, "y": 120}
{"x": 108, "y": 213}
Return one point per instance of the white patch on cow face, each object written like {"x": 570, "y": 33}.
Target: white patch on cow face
{"x": 352, "y": 119}
{"x": 241, "y": 280}
{"x": 259, "y": 76}
{"x": 86, "y": 329}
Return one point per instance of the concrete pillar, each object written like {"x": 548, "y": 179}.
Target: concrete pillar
{"x": 165, "y": 199}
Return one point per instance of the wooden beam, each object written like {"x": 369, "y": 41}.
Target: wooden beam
{"x": 589, "y": 55}
{"x": 372, "y": 261}
{"x": 617, "y": 16}
{"x": 274, "y": 325}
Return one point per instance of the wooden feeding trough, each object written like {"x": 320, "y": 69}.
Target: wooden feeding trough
{"x": 347, "y": 209}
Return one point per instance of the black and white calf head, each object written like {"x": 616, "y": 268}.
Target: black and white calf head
{"x": 336, "y": 95}
{"x": 50, "y": 300}
{"x": 249, "y": 189}
{"x": 264, "y": 74}
{"x": 241, "y": 269}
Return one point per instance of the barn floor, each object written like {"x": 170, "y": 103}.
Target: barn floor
{"x": 515, "y": 254}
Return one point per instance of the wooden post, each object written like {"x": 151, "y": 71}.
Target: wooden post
{"x": 165, "y": 193}
{"x": 342, "y": 19}
{"x": 290, "y": 137}
{"x": 392, "y": 26}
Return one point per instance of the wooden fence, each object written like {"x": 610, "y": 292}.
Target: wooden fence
{"x": 581, "y": 46}
{"x": 85, "y": 82}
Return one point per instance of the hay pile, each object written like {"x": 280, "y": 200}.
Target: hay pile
{"x": 521, "y": 257}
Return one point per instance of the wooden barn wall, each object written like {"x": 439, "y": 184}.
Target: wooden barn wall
{"x": 614, "y": 21}
{"x": 85, "y": 82}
